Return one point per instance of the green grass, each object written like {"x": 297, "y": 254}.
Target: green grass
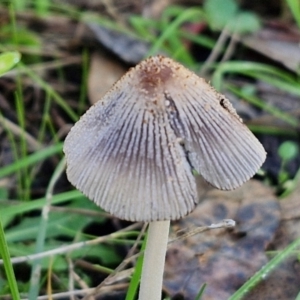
{"x": 4, "y": 251}
{"x": 265, "y": 271}
{"x": 31, "y": 225}
{"x": 294, "y": 6}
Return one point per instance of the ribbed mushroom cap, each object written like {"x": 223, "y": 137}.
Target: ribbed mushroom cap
{"x": 133, "y": 152}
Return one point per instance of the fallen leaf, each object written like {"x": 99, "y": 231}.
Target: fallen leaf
{"x": 223, "y": 259}
{"x": 277, "y": 47}
{"x": 103, "y": 73}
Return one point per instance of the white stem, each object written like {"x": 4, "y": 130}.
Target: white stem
{"x": 154, "y": 261}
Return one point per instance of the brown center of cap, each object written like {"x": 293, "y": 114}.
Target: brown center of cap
{"x": 153, "y": 75}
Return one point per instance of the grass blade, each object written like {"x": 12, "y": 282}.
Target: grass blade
{"x": 265, "y": 270}
{"x": 41, "y": 237}
{"x": 30, "y": 160}
{"x": 4, "y": 253}
{"x": 135, "y": 280}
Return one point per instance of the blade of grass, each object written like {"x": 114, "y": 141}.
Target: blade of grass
{"x": 269, "y": 108}
{"x": 144, "y": 27}
{"x": 71, "y": 247}
{"x": 45, "y": 117}
{"x": 180, "y": 53}
{"x": 52, "y": 130}
{"x": 265, "y": 270}
{"x": 135, "y": 279}
{"x": 23, "y": 207}
{"x": 273, "y": 130}
{"x": 30, "y": 160}
{"x": 4, "y": 253}
{"x": 292, "y": 87}
{"x": 49, "y": 278}
{"x": 14, "y": 148}
{"x": 199, "y": 40}
{"x": 172, "y": 42}
{"x": 186, "y": 15}
{"x": 200, "y": 294}
{"x": 25, "y": 182}
{"x": 58, "y": 99}
{"x": 84, "y": 80}
{"x": 255, "y": 70}
{"x": 41, "y": 237}
{"x": 47, "y": 122}
{"x": 14, "y": 130}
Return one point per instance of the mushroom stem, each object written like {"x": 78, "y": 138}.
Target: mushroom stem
{"x": 154, "y": 261}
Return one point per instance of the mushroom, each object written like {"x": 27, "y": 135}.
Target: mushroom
{"x": 135, "y": 151}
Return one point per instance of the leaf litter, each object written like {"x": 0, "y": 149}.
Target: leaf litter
{"x": 223, "y": 259}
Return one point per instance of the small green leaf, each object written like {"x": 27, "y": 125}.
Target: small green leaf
{"x": 8, "y": 60}
{"x": 288, "y": 150}
{"x": 219, "y": 12}
{"x": 245, "y": 22}
{"x": 283, "y": 176}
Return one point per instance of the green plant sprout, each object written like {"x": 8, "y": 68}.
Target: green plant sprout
{"x": 287, "y": 151}
{"x": 226, "y": 13}
{"x": 8, "y": 60}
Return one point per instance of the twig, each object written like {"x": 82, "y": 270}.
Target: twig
{"x": 18, "y": 131}
{"x": 71, "y": 276}
{"x": 81, "y": 211}
{"x": 226, "y": 223}
{"x": 92, "y": 291}
{"x": 63, "y": 295}
{"x": 49, "y": 279}
{"x": 101, "y": 239}
{"x": 67, "y": 248}
{"x": 111, "y": 278}
{"x": 42, "y": 67}
{"x": 215, "y": 52}
{"x": 234, "y": 38}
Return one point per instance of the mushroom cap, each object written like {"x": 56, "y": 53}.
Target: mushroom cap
{"x": 134, "y": 151}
